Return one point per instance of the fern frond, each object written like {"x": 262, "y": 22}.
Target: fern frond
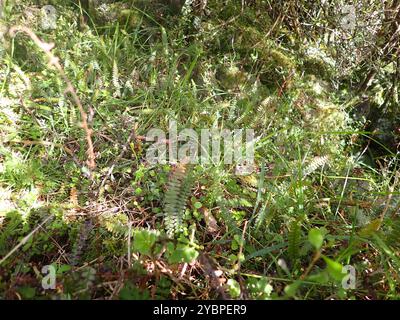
{"x": 226, "y": 215}
{"x": 178, "y": 191}
{"x": 115, "y": 78}
{"x": 81, "y": 242}
{"x": 315, "y": 163}
{"x": 128, "y": 86}
{"x": 294, "y": 238}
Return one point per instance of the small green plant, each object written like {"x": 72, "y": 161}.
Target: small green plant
{"x": 323, "y": 197}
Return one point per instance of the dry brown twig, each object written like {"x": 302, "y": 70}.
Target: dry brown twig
{"x": 54, "y": 61}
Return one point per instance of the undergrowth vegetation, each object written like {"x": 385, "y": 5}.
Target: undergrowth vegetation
{"x": 324, "y": 193}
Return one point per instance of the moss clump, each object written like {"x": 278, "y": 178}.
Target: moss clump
{"x": 231, "y": 77}
{"x": 116, "y": 12}
{"x": 275, "y": 67}
{"x": 317, "y": 67}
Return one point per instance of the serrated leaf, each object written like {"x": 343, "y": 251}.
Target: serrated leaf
{"x": 144, "y": 241}
{"x": 183, "y": 253}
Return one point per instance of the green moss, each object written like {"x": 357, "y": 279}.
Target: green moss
{"x": 230, "y": 77}
{"x": 317, "y": 67}
{"x": 275, "y": 66}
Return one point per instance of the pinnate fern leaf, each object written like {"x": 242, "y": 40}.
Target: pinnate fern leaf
{"x": 178, "y": 191}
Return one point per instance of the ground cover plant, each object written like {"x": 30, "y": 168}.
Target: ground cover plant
{"x": 84, "y": 214}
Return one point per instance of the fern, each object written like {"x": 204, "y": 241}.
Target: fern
{"x": 81, "y": 242}
{"x": 294, "y": 238}
{"x": 12, "y": 227}
{"x": 178, "y": 191}
{"x": 129, "y": 87}
{"x": 115, "y": 79}
{"x": 226, "y": 215}
{"x": 117, "y": 224}
{"x": 260, "y": 118}
{"x": 315, "y": 163}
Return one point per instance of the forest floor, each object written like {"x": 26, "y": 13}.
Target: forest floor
{"x": 84, "y": 214}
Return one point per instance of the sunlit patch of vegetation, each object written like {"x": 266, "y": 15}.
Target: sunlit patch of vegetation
{"x": 325, "y": 192}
